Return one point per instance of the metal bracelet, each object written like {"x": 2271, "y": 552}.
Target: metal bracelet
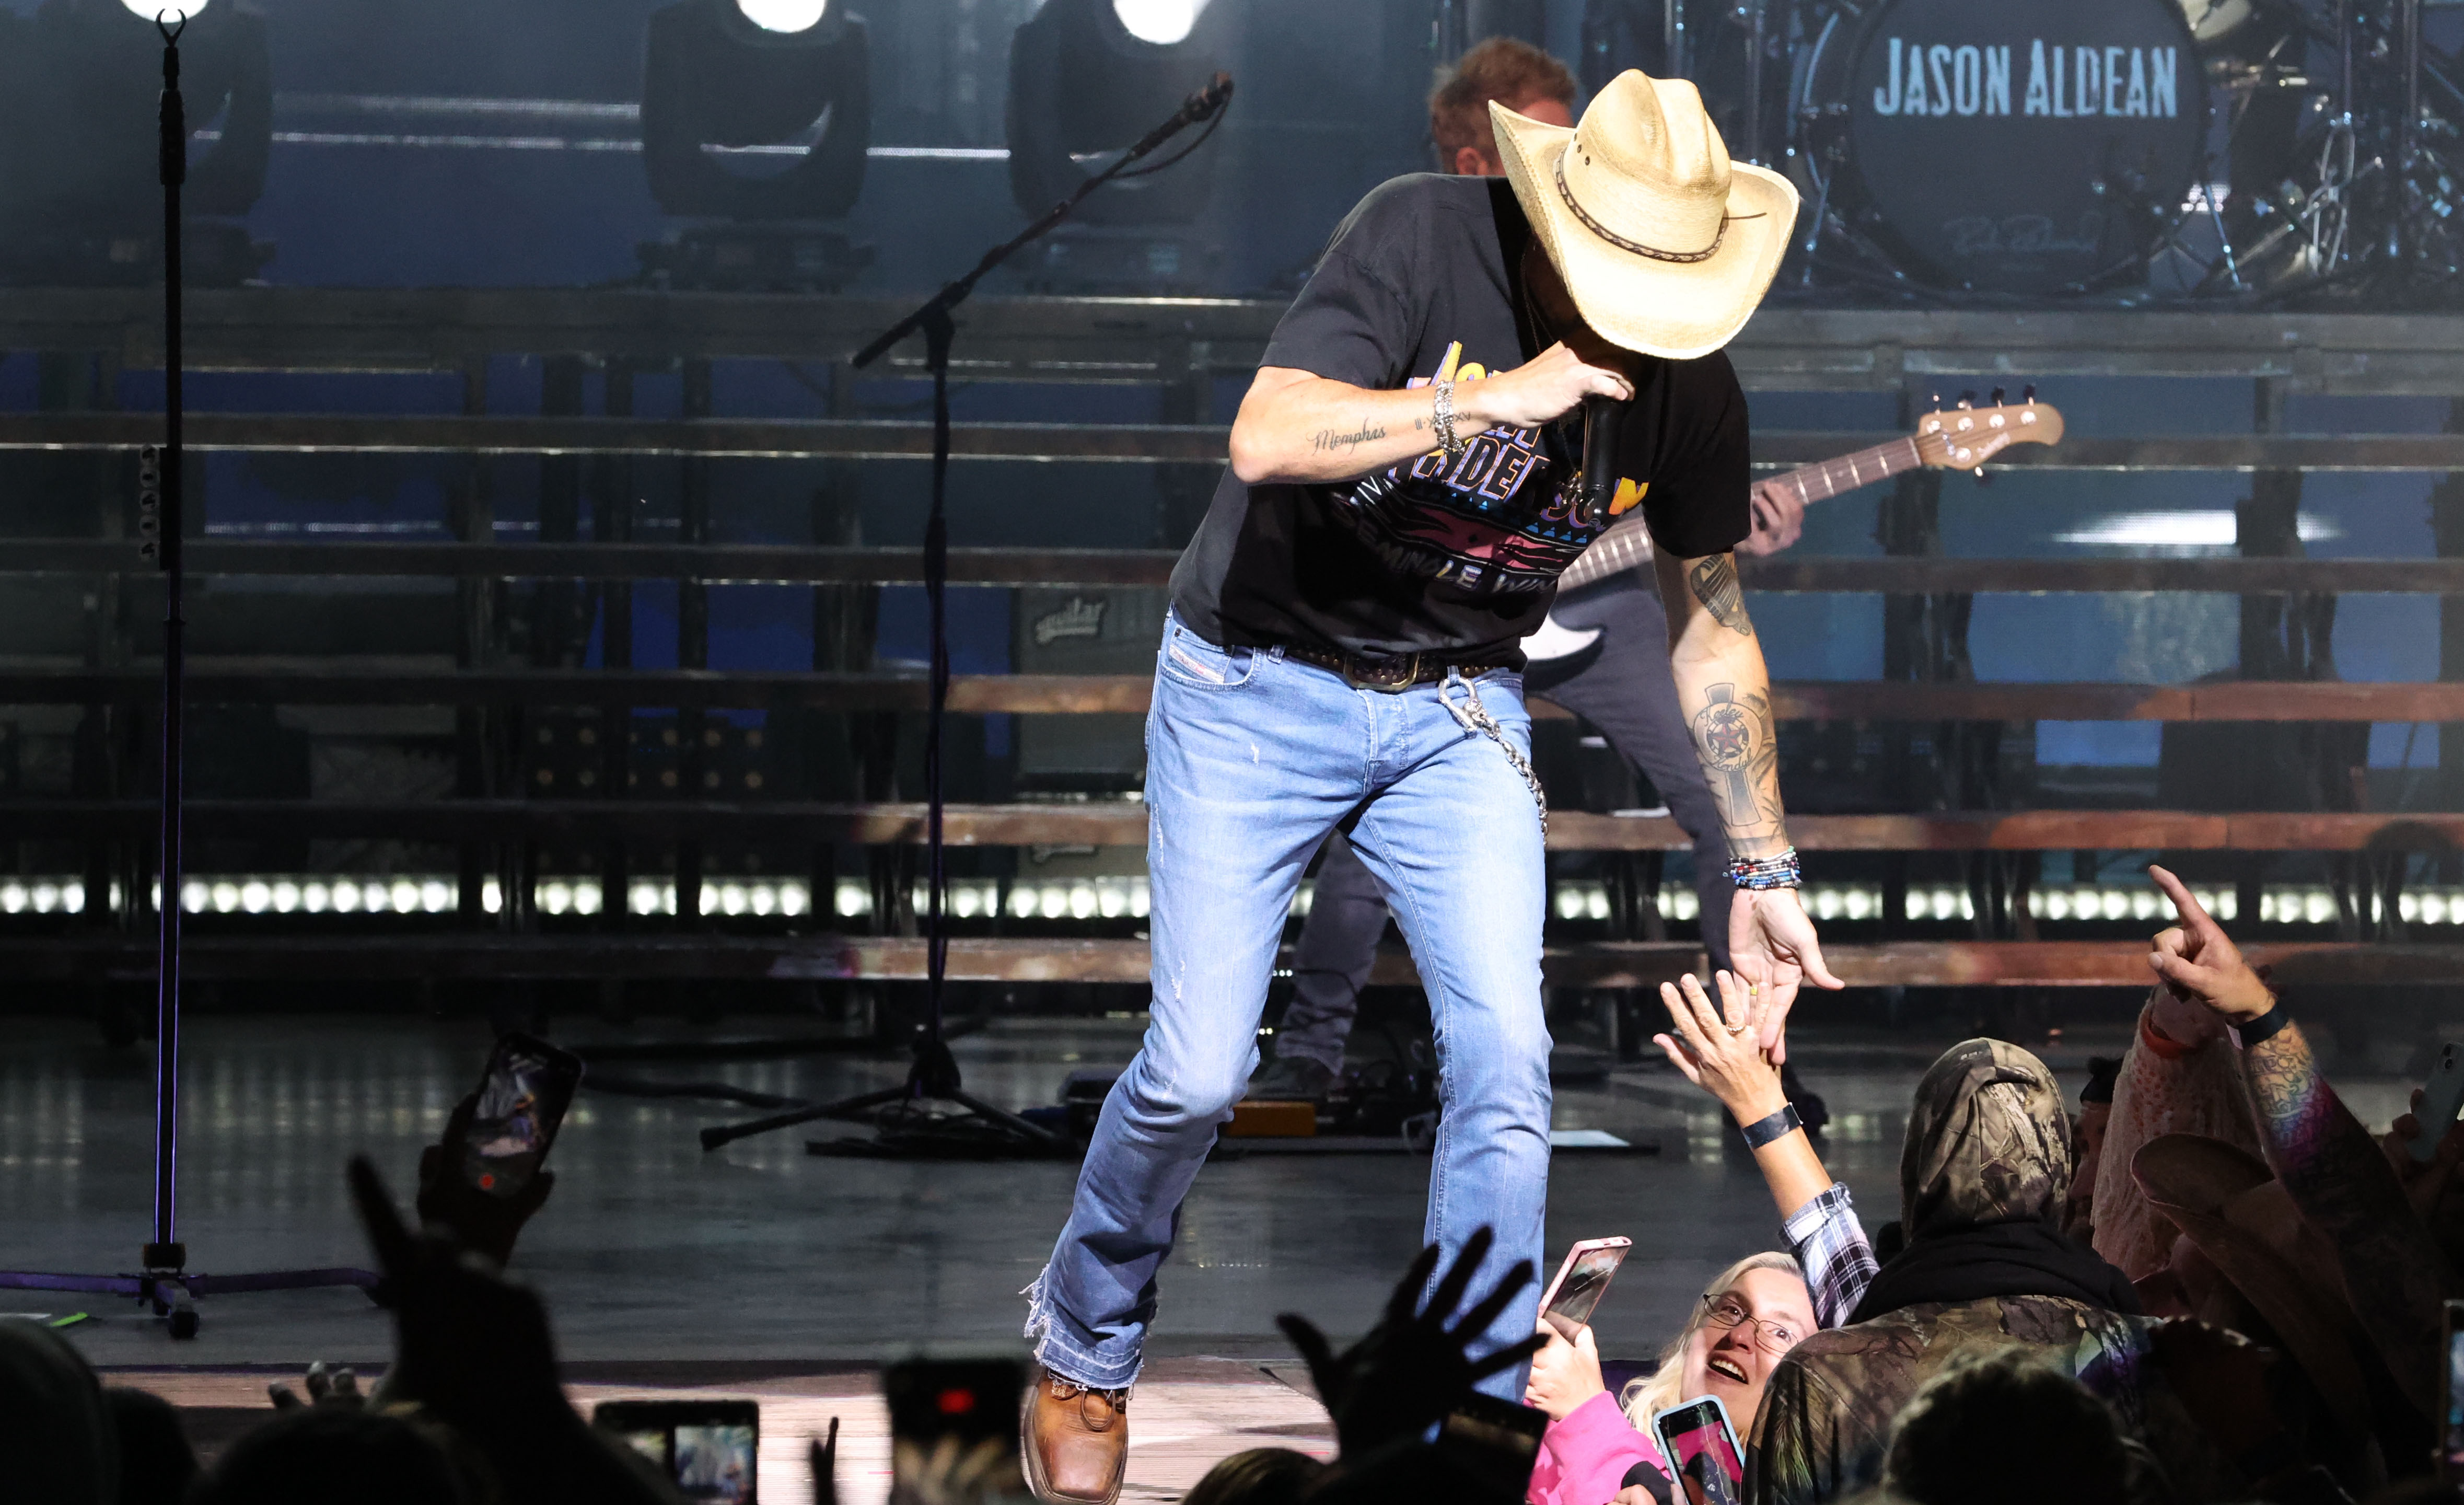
{"x": 1772, "y": 1129}
{"x": 1780, "y": 872}
{"x": 1447, "y": 439}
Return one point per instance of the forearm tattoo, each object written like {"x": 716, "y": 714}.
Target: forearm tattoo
{"x": 1739, "y": 745}
{"x": 1327, "y": 441}
{"x": 1714, "y": 583}
{"x": 2341, "y": 1183}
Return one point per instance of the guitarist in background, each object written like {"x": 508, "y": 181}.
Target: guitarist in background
{"x": 1620, "y": 681}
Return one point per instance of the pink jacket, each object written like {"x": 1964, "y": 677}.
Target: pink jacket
{"x": 1584, "y": 1458}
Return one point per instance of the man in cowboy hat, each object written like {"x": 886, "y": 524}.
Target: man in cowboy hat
{"x": 1618, "y": 683}
{"x": 1407, "y": 481}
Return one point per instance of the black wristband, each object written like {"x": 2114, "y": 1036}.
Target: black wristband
{"x": 1771, "y": 1129}
{"x": 2276, "y": 1017}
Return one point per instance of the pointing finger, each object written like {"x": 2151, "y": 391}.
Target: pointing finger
{"x": 2184, "y": 903}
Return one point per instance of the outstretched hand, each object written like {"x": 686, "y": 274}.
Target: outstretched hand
{"x": 1721, "y": 1049}
{"x": 2199, "y": 963}
{"x": 1412, "y": 1370}
{"x": 479, "y": 1220}
{"x": 1774, "y": 948}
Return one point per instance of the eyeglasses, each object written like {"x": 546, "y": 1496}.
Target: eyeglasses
{"x": 1773, "y": 1336}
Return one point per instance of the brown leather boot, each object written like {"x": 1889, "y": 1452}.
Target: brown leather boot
{"x": 1076, "y": 1441}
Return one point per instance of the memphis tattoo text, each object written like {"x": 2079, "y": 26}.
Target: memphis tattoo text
{"x": 1327, "y": 440}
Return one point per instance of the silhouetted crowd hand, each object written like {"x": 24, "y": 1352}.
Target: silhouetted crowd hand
{"x": 479, "y": 1220}
{"x": 1411, "y": 1369}
{"x": 473, "y": 1351}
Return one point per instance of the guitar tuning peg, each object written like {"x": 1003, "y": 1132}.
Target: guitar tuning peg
{"x": 1982, "y": 478}
{"x": 1937, "y": 402}
{"x": 1968, "y": 398}
{"x": 2028, "y": 393}
{"x": 1996, "y": 401}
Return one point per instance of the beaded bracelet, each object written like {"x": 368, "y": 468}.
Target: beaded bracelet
{"x": 1781, "y": 872}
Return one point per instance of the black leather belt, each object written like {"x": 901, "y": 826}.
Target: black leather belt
{"x": 1391, "y": 672}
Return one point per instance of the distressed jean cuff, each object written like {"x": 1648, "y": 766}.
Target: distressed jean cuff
{"x": 1063, "y": 1347}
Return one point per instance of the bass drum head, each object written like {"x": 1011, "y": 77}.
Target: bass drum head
{"x": 2020, "y": 149}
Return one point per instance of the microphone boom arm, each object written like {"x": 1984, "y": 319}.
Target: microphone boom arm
{"x": 1204, "y": 103}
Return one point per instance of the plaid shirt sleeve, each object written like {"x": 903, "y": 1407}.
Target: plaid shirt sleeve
{"x": 1830, "y": 1244}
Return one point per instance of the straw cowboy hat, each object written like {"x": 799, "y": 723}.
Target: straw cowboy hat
{"x": 1666, "y": 244}
{"x": 2231, "y": 1207}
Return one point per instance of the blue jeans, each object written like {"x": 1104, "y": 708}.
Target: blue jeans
{"x": 1252, "y": 758}
{"x": 1620, "y": 684}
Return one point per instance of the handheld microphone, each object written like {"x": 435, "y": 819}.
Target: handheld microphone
{"x": 1599, "y": 484}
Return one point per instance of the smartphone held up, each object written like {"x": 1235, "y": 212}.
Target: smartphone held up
{"x": 1582, "y": 1280}
{"x": 522, "y": 1099}
{"x": 1701, "y": 1446}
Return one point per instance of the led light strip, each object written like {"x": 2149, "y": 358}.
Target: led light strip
{"x": 1113, "y": 897}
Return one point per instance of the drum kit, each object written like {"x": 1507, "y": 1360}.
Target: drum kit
{"x": 2106, "y": 151}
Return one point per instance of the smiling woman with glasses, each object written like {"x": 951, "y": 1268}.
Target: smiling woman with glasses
{"x": 1599, "y": 1446}
{"x": 1774, "y": 1335}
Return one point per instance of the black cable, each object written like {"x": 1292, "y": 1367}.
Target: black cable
{"x": 721, "y": 1092}
{"x": 1202, "y": 137}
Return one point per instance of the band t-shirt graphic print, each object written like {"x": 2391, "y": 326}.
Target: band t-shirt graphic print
{"x": 1456, "y": 556}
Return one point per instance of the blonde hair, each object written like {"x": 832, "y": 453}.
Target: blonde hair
{"x": 1665, "y": 1385}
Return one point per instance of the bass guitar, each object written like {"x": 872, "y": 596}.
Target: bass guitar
{"x": 1959, "y": 438}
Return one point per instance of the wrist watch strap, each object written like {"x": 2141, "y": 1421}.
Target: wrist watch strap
{"x": 2276, "y": 1017}
{"x": 1778, "y": 1126}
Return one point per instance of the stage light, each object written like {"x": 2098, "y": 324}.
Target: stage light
{"x": 783, "y": 15}
{"x": 149, "y": 10}
{"x": 1162, "y": 22}
{"x": 79, "y": 188}
{"x": 757, "y": 113}
{"x": 1088, "y": 77}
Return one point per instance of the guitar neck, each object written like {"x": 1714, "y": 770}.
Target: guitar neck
{"x": 1627, "y": 544}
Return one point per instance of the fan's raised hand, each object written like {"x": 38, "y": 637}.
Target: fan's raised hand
{"x": 474, "y": 1350}
{"x": 479, "y": 1220}
{"x": 1413, "y": 1368}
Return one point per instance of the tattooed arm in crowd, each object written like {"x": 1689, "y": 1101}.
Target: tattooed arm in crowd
{"x": 2336, "y": 1173}
{"x": 1725, "y": 693}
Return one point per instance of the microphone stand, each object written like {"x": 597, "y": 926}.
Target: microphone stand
{"x": 165, "y": 1282}
{"x": 900, "y": 1123}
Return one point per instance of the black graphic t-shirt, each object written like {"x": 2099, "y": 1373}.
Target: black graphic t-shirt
{"x": 1459, "y": 556}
